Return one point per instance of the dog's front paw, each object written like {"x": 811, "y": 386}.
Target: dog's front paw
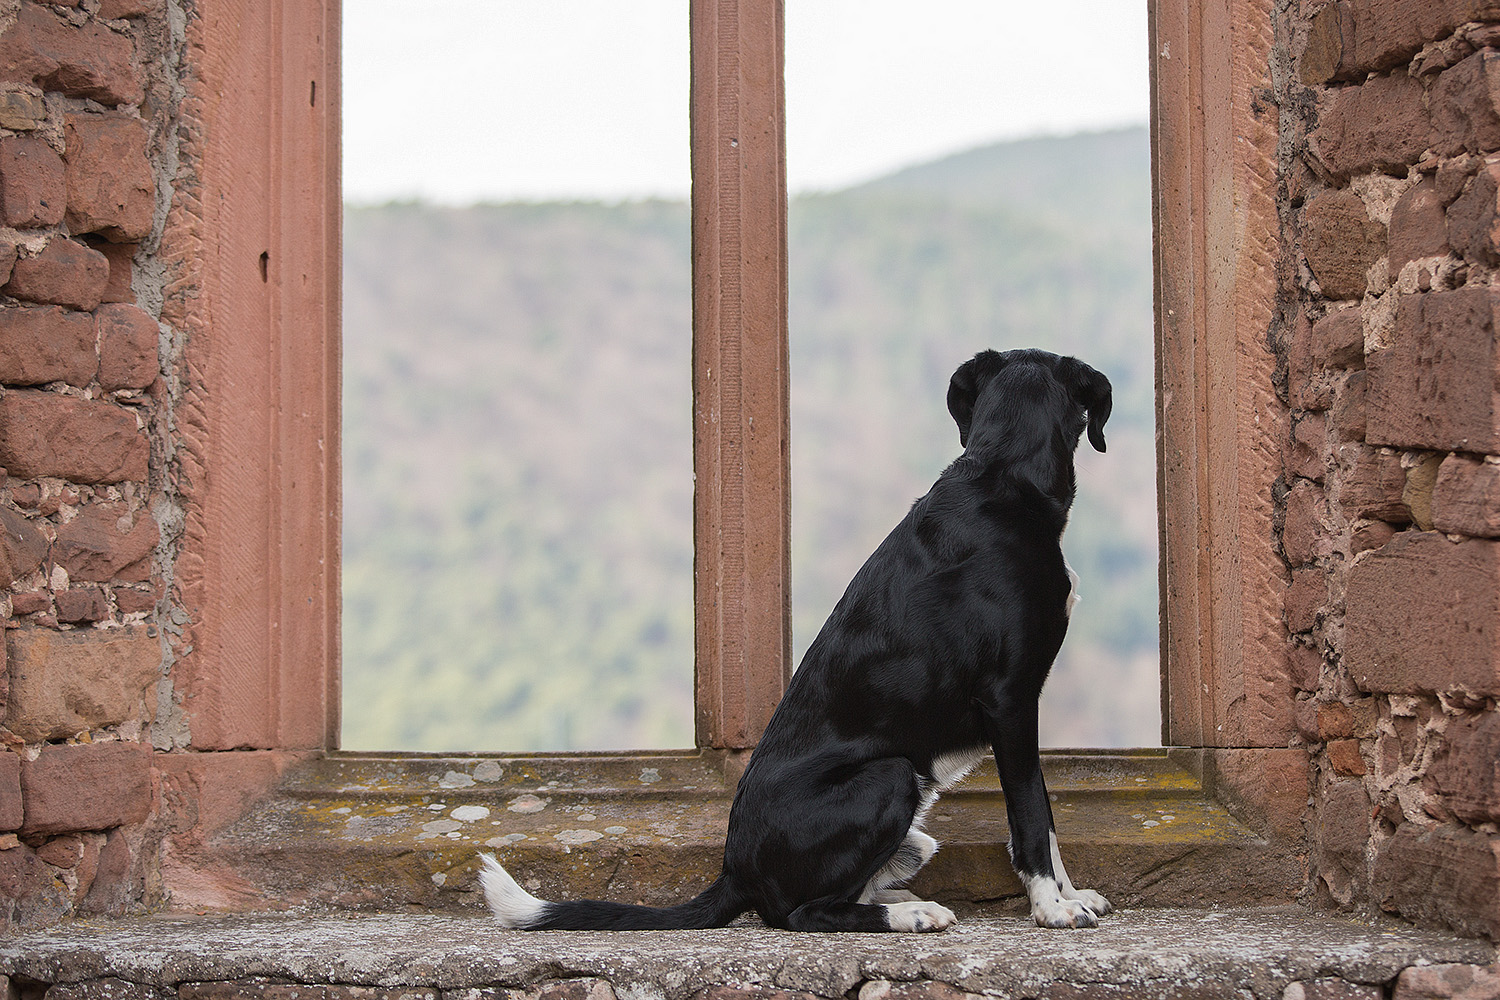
{"x": 1063, "y": 913}
{"x": 920, "y": 916}
{"x": 1094, "y": 901}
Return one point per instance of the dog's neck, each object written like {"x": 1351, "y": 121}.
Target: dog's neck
{"x": 1047, "y": 471}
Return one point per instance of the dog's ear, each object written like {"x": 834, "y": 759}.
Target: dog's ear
{"x": 1091, "y": 390}
{"x": 963, "y": 391}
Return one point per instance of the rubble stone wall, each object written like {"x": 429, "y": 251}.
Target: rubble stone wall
{"x": 1389, "y": 506}
{"x": 88, "y": 141}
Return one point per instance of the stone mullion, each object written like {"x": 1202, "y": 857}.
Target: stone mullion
{"x": 740, "y": 428}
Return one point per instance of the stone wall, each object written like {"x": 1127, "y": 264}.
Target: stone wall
{"x": 87, "y": 512}
{"x": 1389, "y": 507}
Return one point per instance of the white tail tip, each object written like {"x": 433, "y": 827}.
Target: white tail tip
{"x": 511, "y": 905}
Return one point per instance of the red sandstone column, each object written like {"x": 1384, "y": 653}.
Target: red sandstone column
{"x": 252, "y": 250}
{"x": 1219, "y": 421}
{"x": 740, "y": 396}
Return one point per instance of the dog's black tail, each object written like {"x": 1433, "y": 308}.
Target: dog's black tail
{"x": 515, "y": 907}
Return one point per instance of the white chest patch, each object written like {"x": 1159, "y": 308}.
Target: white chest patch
{"x": 947, "y": 771}
{"x": 951, "y": 768}
{"x": 1072, "y": 589}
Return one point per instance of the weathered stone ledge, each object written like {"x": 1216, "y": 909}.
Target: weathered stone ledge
{"x": 1143, "y": 953}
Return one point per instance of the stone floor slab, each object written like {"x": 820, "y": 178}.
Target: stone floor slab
{"x": 1136, "y": 953}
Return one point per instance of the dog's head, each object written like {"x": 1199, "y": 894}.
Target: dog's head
{"x": 1028, "y": 406}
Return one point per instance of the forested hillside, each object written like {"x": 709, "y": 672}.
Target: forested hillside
{"x": 518, "y": 481}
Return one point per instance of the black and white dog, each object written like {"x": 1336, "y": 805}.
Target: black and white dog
{"x": 936, "y": 653}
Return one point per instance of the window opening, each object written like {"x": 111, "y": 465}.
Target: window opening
{"x": 517, "y": 562}
{"x": 945, "y": 201}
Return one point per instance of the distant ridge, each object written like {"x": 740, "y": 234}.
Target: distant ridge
{"x": 1070, "y": 176}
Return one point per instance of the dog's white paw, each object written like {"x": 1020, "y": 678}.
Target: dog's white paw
{"x": 919, "y": 916}
{"x": 1063, "y": 913}
{"x": 1094, "y": 901}
{"x": 894, "y": 896}
{"x": 1050, "y": 909}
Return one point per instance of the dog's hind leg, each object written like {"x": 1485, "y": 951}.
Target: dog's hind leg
{"x": 915, "y": 916}
{"x": 915, "y": 851}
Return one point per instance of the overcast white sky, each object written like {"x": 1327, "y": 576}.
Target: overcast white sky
{"x": 464, "y": 100}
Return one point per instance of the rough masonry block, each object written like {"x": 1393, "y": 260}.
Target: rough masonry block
{"x": 1381, "y": 124}
{"x": 30, "y": 893}
{"x": 134, "y": 601}
{"x": 1388, "y": 33}
{"x": 1305, "y": 666}
{"x": 1445, "y": 875}
{"x": 1434, "y": 387}
{"x": 106, "y": 542}
{"x": 1338, "y": 340}
{"x": 1306, "y": 388}
{"x": 1454, "y": 981}
{"x": 85, "y": 60}
{"x": 1303, "y": 538}
{"x": 30, "y": 602}
{"x": 33, "y": 189}
{"x": 1466, "y": 772}
{"x": 1340, "y": 834}
{"x": 1330, "y": 45}
{"x": 91, "y": 786}
{"x": 1341, "y": 241}
{"x": 1418, "y": 228}
{"x": 1372, "y": 485}
{"x": 1421, "y": 480}
{"x": 63, "y": 683}
{"x": 41, "y": 344}
{"x": 81, "y": 605}
{"x": 65, "y": 273}
{"x": 121, "y": 258}
{"x": 1305, "y": 598}
{"x": 22, "y": 546}
{"x": 1470, "y": 221}
{"x": 65, "y": 851}
{"x": 116, "y": 884}
{"x": 1319, "y": 357}
{"x": 111, "y": 190}
{"x": 1465, "y": 117}
{"x": 10, "y": 791}
{"x": 1348, "y": 414}
{"x": 1422, "y": 614}
{"x": 1345, "y": 759}
{"x": 128, "y": 347}
{"x": 1466, "y": 498}
{"x": 85, "y": 441}
{"x": 1307, "y": 447}
{"x": 22, "y": 110}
